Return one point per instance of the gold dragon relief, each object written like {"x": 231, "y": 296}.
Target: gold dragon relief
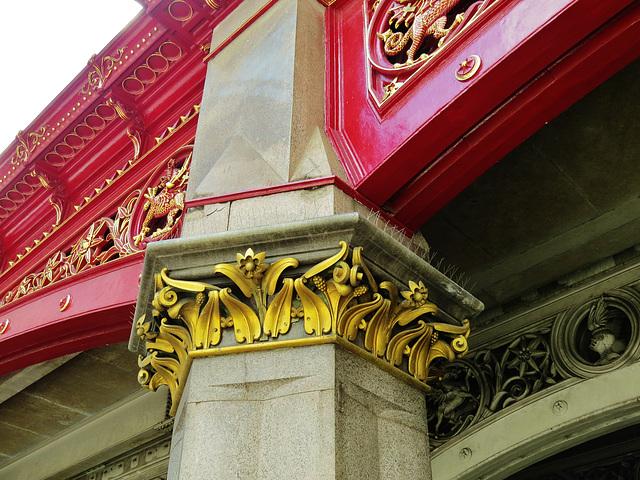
{"x": 336, "y": 301}
{"x": 163, "y": 202}
{"x": 406, "y": 35}
{"x": 140, "y": 219}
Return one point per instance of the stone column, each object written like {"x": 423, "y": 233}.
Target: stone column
{"x": 295, "y": 335}
{"x": 262, "y": 121}
{"x": 309, "y": 412}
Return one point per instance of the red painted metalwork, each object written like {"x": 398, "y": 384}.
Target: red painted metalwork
{"x": 93, "y": 151}
{"x": 99, "y": 312}
{"x": 397, "y": 155}
{"x": 576, "y": 73}
{"x": 88, "y": 153}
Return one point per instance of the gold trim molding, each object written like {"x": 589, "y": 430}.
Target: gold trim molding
{"x": 335, "y": 301}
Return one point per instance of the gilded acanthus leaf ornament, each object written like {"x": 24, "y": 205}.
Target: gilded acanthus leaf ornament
{"x": 336, "y": 300}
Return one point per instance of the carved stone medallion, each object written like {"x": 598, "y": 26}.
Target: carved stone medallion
{"x": 598, "y": 336}
{"x": 456, "y": 402}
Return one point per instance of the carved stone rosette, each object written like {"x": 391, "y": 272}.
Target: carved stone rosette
{"x": 488, "y": 381}
{"x": 335, "y": 301}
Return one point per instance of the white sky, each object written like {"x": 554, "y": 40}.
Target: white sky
{"x": 46, "y": 43}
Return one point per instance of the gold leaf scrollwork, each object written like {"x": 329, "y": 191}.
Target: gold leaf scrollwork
{"x": 104, "y": 240}
{"x": 336, "y": 298}
{"x": 100, "y": 72}
{"x": 27, "y": 144}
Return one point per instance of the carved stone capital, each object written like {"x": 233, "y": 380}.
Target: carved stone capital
{"x": 262, "y": 302}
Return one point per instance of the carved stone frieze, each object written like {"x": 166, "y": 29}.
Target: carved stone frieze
{"x": 488, "y": 381}
{"x": 149, "y": 462}
{"x": 254, "y": 305}
{"x": 600, "y": 335}
{"x": 592, "y": 338}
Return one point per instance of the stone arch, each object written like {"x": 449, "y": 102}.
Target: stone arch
{"x": 548, "y": 423}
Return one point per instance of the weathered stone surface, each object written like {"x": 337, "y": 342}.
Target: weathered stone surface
{"x": 269, "y": 210}
{"x": 381, "y": 427}
{"x": 263, "y": 104}
{"x": 316, "y": 412}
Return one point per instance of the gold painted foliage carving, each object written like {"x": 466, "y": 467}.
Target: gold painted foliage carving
{"x": 337, "y": 297}
{"x": 104, "y": 240}
{"x": 110, "y": 238}
{"x": 27, "y": 144}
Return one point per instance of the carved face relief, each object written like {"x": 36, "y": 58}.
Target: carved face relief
{"x": 606, "y": 335}
{"x": 599, "y": 335}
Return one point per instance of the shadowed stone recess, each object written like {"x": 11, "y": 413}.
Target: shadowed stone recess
{"x": 566, "y": 198}
{"x": 64, "y": 397}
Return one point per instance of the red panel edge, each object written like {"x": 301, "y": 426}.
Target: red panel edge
{"x": 612, "y": 47}
{"x": 58, "y": 346}
{"x": 38, "y": 331}
{"x": 300, "y": 185}
{"x": 389, "y": 177}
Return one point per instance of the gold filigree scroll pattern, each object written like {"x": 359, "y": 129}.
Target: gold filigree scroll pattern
{"x": 27, "y": 144}
{"x": 106, "y": 239}
{"x": 334, "y": 297}
{"x": 101, "y": 71}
